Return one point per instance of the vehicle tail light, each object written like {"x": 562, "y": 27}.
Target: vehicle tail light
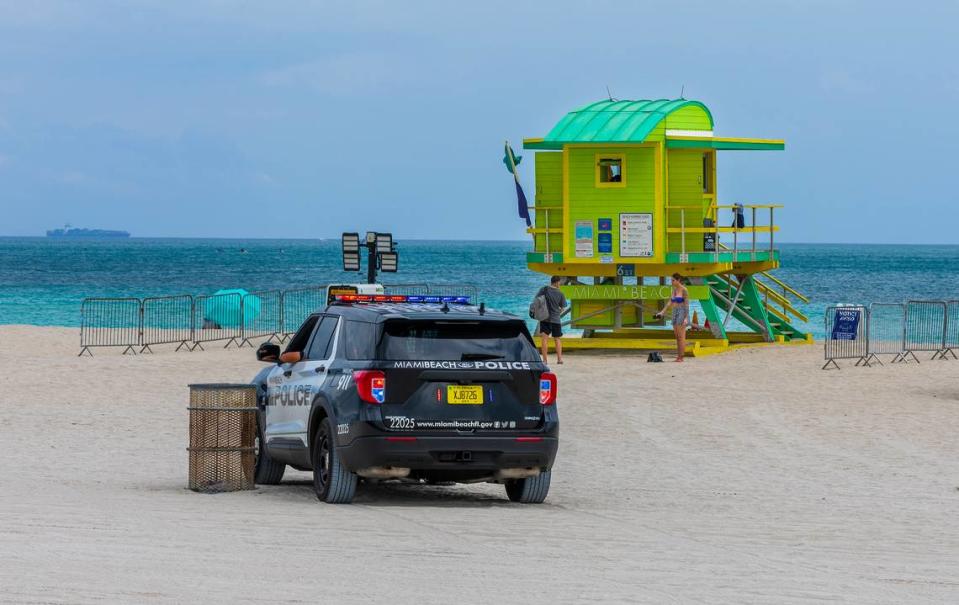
{"x": 547, "y": 388}
{"x": 370, "y": 385}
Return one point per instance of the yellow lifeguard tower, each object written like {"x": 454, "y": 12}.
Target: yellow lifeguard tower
{"x": 626, "y": 196}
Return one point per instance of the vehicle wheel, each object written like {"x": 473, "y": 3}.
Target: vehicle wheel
{"x": 268, "y": 470}
{"x": 531, "y": 490}
{"x": 332, "y": 482}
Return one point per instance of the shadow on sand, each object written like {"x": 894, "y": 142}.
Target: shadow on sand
{"x": 407, "y": 494}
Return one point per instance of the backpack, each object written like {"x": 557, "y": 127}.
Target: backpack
{"x": 654, "y": 357}
{"x": 538, "y": 309}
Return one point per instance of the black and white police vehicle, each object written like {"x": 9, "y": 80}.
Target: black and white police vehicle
{"x": 410, "y": 388}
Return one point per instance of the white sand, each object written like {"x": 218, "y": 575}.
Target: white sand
{"x": 751, "y": 477}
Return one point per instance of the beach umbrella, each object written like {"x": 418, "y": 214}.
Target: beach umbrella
{"x": 224, "y": 308}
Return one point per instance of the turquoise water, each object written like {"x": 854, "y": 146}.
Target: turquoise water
{"x": 42, "y": 281}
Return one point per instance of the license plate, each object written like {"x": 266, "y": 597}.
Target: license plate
{"x": 461, "y": 395}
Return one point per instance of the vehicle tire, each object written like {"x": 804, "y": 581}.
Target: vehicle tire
{"x": 332, "y": 482}
{"x": 268, "y": 470}
{"x": 531, "y": 490}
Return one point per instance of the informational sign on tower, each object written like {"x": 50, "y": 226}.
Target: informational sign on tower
{"x": 636, "y": 234}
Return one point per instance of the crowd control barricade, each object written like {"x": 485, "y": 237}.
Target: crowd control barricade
{"x": 887, "y": 331}
{"x": 298, "y": 304}
{"x": 406, "y": 289}
{"x": 847, "y": 334}
{"x": 952, "y": 330}
{"x": 167, "y": 320}
{"x": 455, "y": 290}
{"x": 110, "y": 322}
{"x": 262, "y": 316}
{"x": 925, "y": 327}
{"x": 222, "y": 437}
{"x": 218, "y": 317}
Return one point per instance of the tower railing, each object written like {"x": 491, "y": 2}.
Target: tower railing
{"x": 711, "y": 212}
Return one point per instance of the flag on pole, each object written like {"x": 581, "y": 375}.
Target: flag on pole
{"x": 511, "y": 161}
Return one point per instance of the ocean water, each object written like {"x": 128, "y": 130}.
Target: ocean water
{"x": 42, "y": 281}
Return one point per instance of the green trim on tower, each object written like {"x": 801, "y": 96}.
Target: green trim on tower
{"x": 721, "y": 144}
{"x": 539, "y": 257}
{"x": 755, "y": 307}
{"x": 613, "y": 122}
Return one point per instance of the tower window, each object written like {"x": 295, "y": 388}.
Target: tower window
{"x": 609, "y": 171}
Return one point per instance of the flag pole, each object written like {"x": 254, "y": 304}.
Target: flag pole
{"x": 512, "y": 165}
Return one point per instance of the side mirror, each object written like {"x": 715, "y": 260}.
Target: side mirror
{"x": 268, "y": 352}
{"x": 291, "y": 357}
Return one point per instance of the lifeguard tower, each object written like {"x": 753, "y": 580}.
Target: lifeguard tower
{"x": 625, "y": 197}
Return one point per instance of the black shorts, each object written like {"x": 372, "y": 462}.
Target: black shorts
{"x": 550, "y": 329}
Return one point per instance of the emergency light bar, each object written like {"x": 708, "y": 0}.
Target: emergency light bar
{"x": 401, "y": 298}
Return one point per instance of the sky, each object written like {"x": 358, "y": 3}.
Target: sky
{"x": 305, "y": 119}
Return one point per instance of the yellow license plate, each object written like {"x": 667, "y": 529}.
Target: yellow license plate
{"x": 460, "y": 395}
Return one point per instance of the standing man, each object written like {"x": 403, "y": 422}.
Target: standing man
{"x": 556, "y": 305}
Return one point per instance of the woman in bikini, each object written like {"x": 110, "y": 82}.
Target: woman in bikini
{"x": 679, "y": 303}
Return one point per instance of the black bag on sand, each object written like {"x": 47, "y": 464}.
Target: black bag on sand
{"x": 654, "y": 357}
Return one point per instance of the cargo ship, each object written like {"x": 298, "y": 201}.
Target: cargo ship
{"x": 69, "y": 231}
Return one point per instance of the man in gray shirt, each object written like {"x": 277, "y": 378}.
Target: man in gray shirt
{"x": 556, "y": 304}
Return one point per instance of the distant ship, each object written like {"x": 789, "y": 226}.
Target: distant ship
{"x": 69, "y": 231}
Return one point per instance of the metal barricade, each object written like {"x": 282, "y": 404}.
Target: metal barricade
{"x": 455, "y": 290}
{"x": 952, "y": 330}
{"x": 925, "y": 327}
{"x": 222, "y": 437}
{"x": 299, "y": 304}
{"x": 406, "y": 289}
{"x": 217, "y": 317}
{"x": 110, "y": 322}
{"x": 847, "y": 334}
{"x": 887, "y": 331}
{"x": 167, "y": 320}
{"x": 262, "y": 316}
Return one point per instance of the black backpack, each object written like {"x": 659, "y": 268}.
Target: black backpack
{"x": 654, "y": 357}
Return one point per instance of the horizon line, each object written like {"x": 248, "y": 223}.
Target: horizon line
{"x": 415, "y": 239}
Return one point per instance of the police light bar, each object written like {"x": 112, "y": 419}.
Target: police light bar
{"x": 389, "y": 261}
{"x": 401, "y": 298}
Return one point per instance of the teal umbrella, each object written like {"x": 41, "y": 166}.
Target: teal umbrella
{"x": 231, "y": 307}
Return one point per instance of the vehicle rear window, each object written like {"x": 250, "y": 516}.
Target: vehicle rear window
{"x": 358, "y": 340}
{"x": 455, "y": 341}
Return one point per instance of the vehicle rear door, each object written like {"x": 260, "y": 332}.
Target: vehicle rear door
{"x": 460, "y": 375}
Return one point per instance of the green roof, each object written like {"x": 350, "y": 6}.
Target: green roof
{"x": 613, "y": 122}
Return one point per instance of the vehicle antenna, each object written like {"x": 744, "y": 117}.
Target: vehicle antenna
{"x": 609, "y": 94}
{"x": 682, "y": 92}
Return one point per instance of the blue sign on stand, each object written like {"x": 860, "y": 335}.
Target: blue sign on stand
{"x": 605, "y": 224}
{"x": 846, "y": 324}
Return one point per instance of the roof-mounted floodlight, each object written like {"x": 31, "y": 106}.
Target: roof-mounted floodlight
{"x": 351, "y": 261}
{"x": 381, "y": 250}
{"x": 389, "y": 262}
{"x": 384, "y": 242}
{"x": 351, "y": 251}
{"x": 351, "y": 242}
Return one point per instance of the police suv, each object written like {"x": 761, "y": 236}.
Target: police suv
{"x": 410, "y": 388}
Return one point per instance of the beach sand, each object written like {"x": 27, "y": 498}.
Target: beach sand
{"x": 749, "y": 477}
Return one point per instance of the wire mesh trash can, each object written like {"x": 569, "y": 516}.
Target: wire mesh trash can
{"x": 222, "y": 437}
